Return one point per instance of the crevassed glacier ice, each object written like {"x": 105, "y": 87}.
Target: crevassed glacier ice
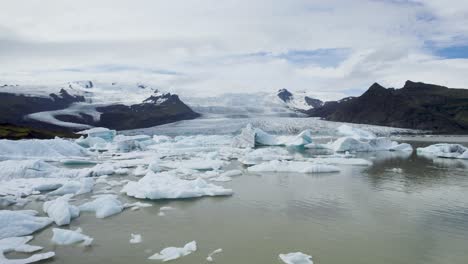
{"x": 293, "y": 166}
{"x": 20, "y": 223}
{"x": 70, "y": 237}
{"x": 167, "y": 185}
{"x": 444, "y": 150}
{"x": 20, "y": 244}
{"x": 172, "y": 253}
{"x": 104, "y": 206}
{"x": 296, "y": 258}
{"x": 60, "y": 210}
{"x": 50, "y": 149}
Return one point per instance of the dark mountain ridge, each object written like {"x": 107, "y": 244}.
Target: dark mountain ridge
{"x": 416, "y": 105}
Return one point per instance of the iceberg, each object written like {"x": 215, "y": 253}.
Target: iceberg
{"x": 69, "y": 237}
{"x": 260, "y": 155}
{"x": 166, "y": 185}
{"x": 135, "y": 239}
{"x": 60, "y": 210}
{"x": 20, "y": 223}
{"x": 443, "y": 150}
{"x": 104, "y": 206}
{"x": 357, "y": 133}
{"x": 296, "y": 258}
{"x": 172, "y": 253}
{"x": 81, "y": 186}
{"x": 191, "y": 164}
{"x": 251, "y": 137}
{"x": 51, "y": 149}
{"x": 376, "y": 144}
{"x": 14, "y": 169}
{"x": 100, "y": 132}
{"x": 293, "y": 166}
{"x": 20, "y": 244}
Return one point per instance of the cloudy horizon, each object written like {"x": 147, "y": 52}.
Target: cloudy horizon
{"x": 330, "y": 49}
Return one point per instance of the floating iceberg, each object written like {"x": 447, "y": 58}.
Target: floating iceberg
{"x": 135, "y": 239}
{"x": 81, "y": 186}
{"x": 13, "y": 169}
{"x": 69, "y": 237}
{"x": 443, "y": 150}
{"x": 60, "y": 210}
{"x": 104, "y": 206}
{"x": 296, "y": 258}
{"x": 20, "y": 223}
{"x": 51, "y": 149}
{"x": 192, "y": 164}
{"x": 362, "y": 145}
{"x": 172, "y": 253}
{"x": 20, "y": 244}
{"x": 251, "y": 137}
{"x": 166, "y": 185}
{"x": 354, "y": 132}
{"x": 100, "y": 132}
{"x": 260, "y": 155}
{"x": 293, "y": 166}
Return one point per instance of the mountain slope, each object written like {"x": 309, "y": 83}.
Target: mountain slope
{"x": 417, "y": 105}
{"x": 299, "y": 102}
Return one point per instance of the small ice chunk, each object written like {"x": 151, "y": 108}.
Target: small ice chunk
{"x": 69, "y": 237}
{"x": 60, "y": 210}
{"x": 20, "y": 244}
{"x": 231, "y": 173}
{"x": 296, "y": 258}
{"x": 104, "y": 206}
{"x": 135, "y": 239}
{"x": 210, "y": 256}
{"x": 293, "y": 166}
{"x": 172, "y": 253}
{"x": 81, "y": 186}
{"x": 397, "y": 170}
{"x": 136, "y": 205}
{"x": 21, "y": 223}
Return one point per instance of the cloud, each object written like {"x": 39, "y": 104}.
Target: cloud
{"x": 328, "y": 48}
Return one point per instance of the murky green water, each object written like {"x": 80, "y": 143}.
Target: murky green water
{"x": 362, "y": 215}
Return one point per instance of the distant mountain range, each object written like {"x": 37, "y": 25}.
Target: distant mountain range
{"x": 42, "y": 112}
{"x": 416, "y": 105}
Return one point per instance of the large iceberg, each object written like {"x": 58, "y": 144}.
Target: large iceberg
{"x": 352, "y": 144}
{"x": 293, "y": 166}
{"x": 20, "y": 223}
{"x": 60, "y": 210}
{"x": 443, "y": 150}
{"x": 251, "y": 137}
{"x": 69, "y": 237}
{"x": 167, "y": 185}
{"x": 103, "y": 206}
{"x": 51, "y": 149}
{"x": 20, "y": 244}
{"x": 172, "y": 253}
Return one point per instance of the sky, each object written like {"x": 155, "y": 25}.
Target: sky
{"x": 328, "y": 48}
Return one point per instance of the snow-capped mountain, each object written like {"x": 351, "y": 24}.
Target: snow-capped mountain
{"x": 299, "y": 101}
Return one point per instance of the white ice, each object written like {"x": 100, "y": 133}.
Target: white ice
{"x": 363, "y": 145}
{"x": 293, "y": 166}
{"x": 69, "y": 237}
{"x": 20, "y": 223}
{"x": 104, "y": 206}
{"x": 50, "y": 149}
{"x": 166, "y": 185}
{"x": 296, "y": 258}
{"x": 210, "y": 256}
{"x": 100, "y": 132}
{"x": 76, "y": 187}
{"x": 20, "y": 244}
{"x": 172, "y": 253}
{"x": 444, "y": 150}
{"x": 60, "y": 210}
{"x": 135, "y": 239}
{"x": 357, "y": 133}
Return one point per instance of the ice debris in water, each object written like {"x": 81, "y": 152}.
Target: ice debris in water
{"x": 260, "y": 155}
{"x": 363, "y": 145}
{"x": 20, "y": 244}
{"x": 251, "y": 137}
{"x": 104, "y": 206}
{"x": 443, "y": 150}
{"x": 293, "y": 166}
{"x": 172, "y": 253}
{"x": 21, "y": 169}
{"x": 81, "y": 186}
{"x": 100, "y": 132}
{"x": 135, "y": 238}
{"x": 60, "y": 210}
{"x": 354, "y": 132}
{"x": 167, "y": 185}
{"x": 21, "y": 223}
{"x": 210, "y": 256}
{"x": 296, "y": 258}
{"x": 136, "y": 205}
{"x": 51, "y": 149}
{"x": 69, "y": 237}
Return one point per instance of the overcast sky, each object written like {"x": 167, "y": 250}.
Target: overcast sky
{"x": 326, "y": 47}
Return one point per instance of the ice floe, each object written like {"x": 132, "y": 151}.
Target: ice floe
{"x": 60, "y": 210}
{"x": 363, "y": 145}
{"x": 293, "y": 166}
{"x": 296, "y": 258}
{"x": 136, "y": 205}
{"x": 135, "y": 239}
{"x": 444, "y": 150}
{"x": 251, "y": 137}
{"x": 172, "y": 253}
{"x": 76, "y": 187}
{"x": 103, "y": 206}
{"x": 70, "y": 237}
{"x": 21, "y": 223}
{"x": 13, "y": 169}
{"x": 20, "y": 244}
{"x": 51, "y": 149}
{"x": 167, "y": 185}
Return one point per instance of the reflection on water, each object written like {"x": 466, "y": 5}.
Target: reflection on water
{"x": 362, "y": 215}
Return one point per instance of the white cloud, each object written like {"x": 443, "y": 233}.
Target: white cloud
{"x": 209, "y": 41}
